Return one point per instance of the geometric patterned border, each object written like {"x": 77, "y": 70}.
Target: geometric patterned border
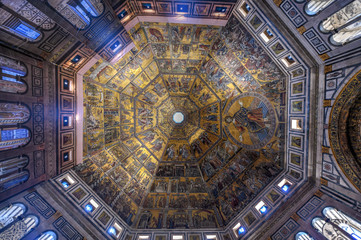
{"x": 67, "y": 230}
{"x": 298, "y": 105}
{"x": 40, "y": 204}
{"x": 39, "y": 163}
{"x": 37, "y": 81}
{"x": 316, "y": 41}
{"x": 38, "y": 123}
{"x": 310, "y": 207}
{"x": 286, "y": 230}
{"x": 337, "y": 121}
{"x": 293, "y": 13}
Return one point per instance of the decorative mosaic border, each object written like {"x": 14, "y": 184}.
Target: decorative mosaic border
{"x": 285, "y": 231}
{"x": 293, "y": 13}
{"x": 309, "y": 208}
{"x": 348, "y": 166}
{"x": 298, "y": 108}
{"x": 40, "y": 204}
{"x": 79, "y": 194}
{"x": 316, "y": 41}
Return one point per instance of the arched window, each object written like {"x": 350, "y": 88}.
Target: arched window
{"x": 328, "y": 230}
{"x": 13, "y": 138}
{"x": 18, "y": 27}
{"x": 12, "y": 66}
{"x": 12, "y": 114}
{"x": 78, "y": 12}
{"x": 349, "y": 225}
{"x": 9, "y": 214}
{"x": 342, "y": 17}
{"x": 303, "y": 236}
{"x": 315, "y": 6}
{"x": 95, "y": 8}
{"x": 10, "y": 73}
{"x": 318, "y": 223}
{"x": 20, "y": 228}
{"x": 48, "y": 235}
{"x": 347, "y": 34}
{"x": 13, "y": 165}
{"x": 31, "y": 13}
{"x": 13, "y": 180}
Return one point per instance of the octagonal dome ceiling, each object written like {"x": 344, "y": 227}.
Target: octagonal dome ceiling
{"x": 185, "y": 129}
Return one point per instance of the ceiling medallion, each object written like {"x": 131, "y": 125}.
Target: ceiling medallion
{"x": 178, "y": 117}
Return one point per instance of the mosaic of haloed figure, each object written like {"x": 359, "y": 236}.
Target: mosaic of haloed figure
{"x": 188, "y": 126}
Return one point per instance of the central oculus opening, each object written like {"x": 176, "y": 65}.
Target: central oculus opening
{"x": 178, "y": 117}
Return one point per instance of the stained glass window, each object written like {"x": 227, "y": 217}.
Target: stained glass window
{"x": 342, "y": 17}
{"x": 27, "y": 31}
{"x": 13, "y": 180}
{"x": 78, "y": 12}
{"x": 10, "y": 73}
{"x": 89, "y": 7}
{"x": 21, "y": 228}
{"x": 303, "y": 236}
{"x": 13, "y": 113}
{"x": 315, "y": 6}
{"x": 349, "y": 225}
{"x": 11, "y": 165}
{"x": 13, "y": 134}
{"x": 347, "y": 34}
{"x": 10, "y": 213}
{"x": 13, "y": 138}
{"x": 48, "y": 235}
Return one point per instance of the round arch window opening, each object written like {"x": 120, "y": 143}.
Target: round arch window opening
{"x": 178, "y": 117}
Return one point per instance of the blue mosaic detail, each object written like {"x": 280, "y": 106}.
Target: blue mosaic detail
{"x": 182, "y": 8}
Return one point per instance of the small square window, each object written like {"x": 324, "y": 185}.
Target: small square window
{"x": 122, "y": 14}
{"x": 261, "y": 207}
{"x": 66, "y": 157}
{"x": 115, "y": 46}
{"x": 221, "y": 9}
{"x": 182, "y": 8}
{"x": 91, "y": 206}
{"x": 66, "y": 84}
{"x": 288, "y": 61}
{"x": 245, "y": 9}
{"x": 211, "y": 237}
{"x": 76, "y": 59}
{"x": 115, "y": 230}
{"x": 66, "y": 121}
{"x": 146, "y": 6}
{"x": 66, "y": 181}
{"x": 267, "y": 35}
{"x": 296, "y": 124}
{"x": 285, "y": 185}
{"x": 143, "y": 237}
{"x": 177, "y": 237}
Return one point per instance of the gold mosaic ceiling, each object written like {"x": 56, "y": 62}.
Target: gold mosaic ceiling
{"x": 157, "y": 173}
